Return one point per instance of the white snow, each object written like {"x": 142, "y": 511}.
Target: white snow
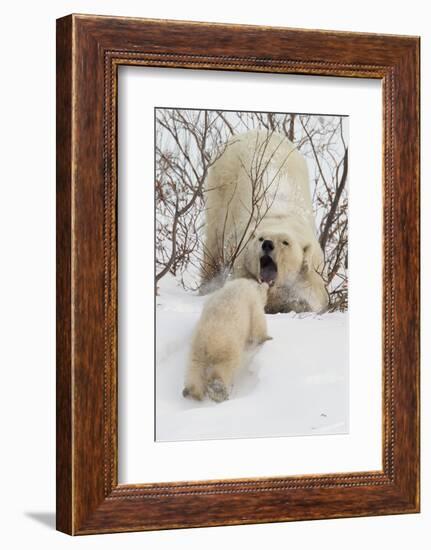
{"x": 295, "y": 384}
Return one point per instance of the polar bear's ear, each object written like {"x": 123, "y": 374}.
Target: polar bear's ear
{"x": 306, "y": 259}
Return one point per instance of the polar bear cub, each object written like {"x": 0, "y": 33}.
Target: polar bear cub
{"x": 232, "y": 319}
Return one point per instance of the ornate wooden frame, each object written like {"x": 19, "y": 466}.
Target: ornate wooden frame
{"x": 89, "y": 51}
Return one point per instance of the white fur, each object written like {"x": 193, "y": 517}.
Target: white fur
{"x": 232, "y": 319}
{"x": 283, "y": 213}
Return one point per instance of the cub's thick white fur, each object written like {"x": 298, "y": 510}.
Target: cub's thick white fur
{"x": 281, "y": 214}
{"x": 232, "y": 319}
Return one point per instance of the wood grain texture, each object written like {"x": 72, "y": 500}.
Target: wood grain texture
{"x": 64, "y": 497}
{"x": 90, "y": 49}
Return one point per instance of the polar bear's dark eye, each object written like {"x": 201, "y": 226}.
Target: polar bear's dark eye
{"x": 261, "y": 239}
{"x": 285, "y": 243}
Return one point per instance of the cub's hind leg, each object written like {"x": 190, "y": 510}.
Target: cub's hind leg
{"x": 194, "y": 383}
{"x": 220, "y": 379}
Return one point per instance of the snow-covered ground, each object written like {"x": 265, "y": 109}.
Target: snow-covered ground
{"x": 295, "y": 384}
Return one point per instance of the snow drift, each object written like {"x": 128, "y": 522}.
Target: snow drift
{"x": 296, "y": 384}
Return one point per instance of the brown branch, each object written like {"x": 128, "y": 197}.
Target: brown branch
{"x": 336, "y": 200}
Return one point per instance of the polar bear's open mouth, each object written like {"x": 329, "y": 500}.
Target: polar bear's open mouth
{"x": 268, "y": 270}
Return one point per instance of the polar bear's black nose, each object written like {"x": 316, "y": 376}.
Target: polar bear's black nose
{"x": 267, "y": 246}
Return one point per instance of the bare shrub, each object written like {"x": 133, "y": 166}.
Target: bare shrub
{"x": 188, "y": 142}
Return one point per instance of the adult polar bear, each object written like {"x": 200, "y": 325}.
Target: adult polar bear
{"x": 260, "y": 223}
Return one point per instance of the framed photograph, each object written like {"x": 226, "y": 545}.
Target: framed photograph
{"x": 237, "y": 274}
{"x": 236, "y": 221}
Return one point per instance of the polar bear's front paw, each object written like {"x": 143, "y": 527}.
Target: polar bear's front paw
{"x": 217, "y": 391}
